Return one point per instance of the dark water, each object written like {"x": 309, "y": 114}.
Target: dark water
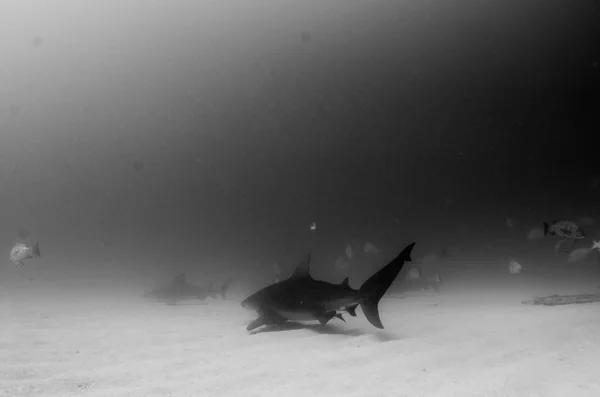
{"x": 145, "y": 138}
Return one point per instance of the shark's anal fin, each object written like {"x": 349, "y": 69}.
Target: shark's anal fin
{"x": 325, "y": 317}
{"x": 352, "y": 310}
{"x": 339, "y": 315}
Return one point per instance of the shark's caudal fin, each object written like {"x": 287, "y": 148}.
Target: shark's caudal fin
{"x": 224, "y": 288}
{"x": 376, "y": 286}
{"x": 35, "y": 250}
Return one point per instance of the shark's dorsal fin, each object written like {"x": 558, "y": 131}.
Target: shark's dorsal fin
{"x": 345, "y": 283}
{"x": 302, "y": 270}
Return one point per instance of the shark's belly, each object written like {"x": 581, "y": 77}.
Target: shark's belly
{"x": 296, "y": 315}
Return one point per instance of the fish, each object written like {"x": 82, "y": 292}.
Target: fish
{"x": 535, "y": 233}
{"x": 277, "y": 272}
{"x": 514, "y": 267}
{"x": 565, "y": 229}
{"x": 416, "y": 281}
{"x": 349, "y": 252}
{"x": 564, "y": 246}
{"x": 413, "y": 274}
{"x": 510, "y": 223}
{"x": 579, "y": 254}
{"x": 370, "y": 248}
{"x": 341, "y": 264}
{"x": 302, "y": 298}
{"x": 179, "y": 289}
{"x": 313, "y": 226}
{"x": 22, "y": 251}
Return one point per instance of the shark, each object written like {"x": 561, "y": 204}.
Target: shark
{"x": 302, "y": 298}
{"x": 179, "y": 289}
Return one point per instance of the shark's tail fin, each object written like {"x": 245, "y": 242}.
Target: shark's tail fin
{"x": 225, "y": 287}
{"x": 35, "y": 250}
{"x": 376, "y": 286}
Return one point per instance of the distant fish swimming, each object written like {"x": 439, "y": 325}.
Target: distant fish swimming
{"x": 302, "y": 298}
{"x": 564, "y": 229}
{"x": 415, "y": 280}
{"x": 582, "y": 253}
{"x": 22, "y": 251}
{"x": 514, "y": 267}
{"x": 370, "y": 248}
{"x": 179, "y": 289}
{"x": 579, "y": 254}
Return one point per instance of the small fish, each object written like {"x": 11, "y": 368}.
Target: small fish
{"x": 341, "y": 263}
{"x": 431, "y": 259}
{"x": 277, "y": 272}
{"x": 514, "y": 267}
{"x": 579, "y": 254}
{"x": 313, "y": 226}
{"x": 510, "y": 223}
{"x": 596, "y": 245}
{"x": 535, "y": 233}
{"x": 179, "y": 289}
{"x": 22, "y": 251}
{"x": 565, "y": 229}
{"x": 563, "y": 246}
{"x": 349, "y": 251}
{"x": 370, "y": 248}
{"x": 413, "y": 274}
{"x": 416, "y": 281}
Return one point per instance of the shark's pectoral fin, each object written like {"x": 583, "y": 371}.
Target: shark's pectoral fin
{"x": 259, "y": 322}
{"x": 265, "y": 320}
{"x": 352, "y": 310}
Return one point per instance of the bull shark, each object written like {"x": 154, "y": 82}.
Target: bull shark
{"x": 302, "y": 298}
{"x": 179, "y": 289}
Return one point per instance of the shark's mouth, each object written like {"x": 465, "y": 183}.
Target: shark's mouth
{"x": 296, "y": 315}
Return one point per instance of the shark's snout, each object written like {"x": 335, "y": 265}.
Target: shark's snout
{"x": 246, "y": 304}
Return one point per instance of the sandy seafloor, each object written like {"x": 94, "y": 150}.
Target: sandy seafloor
{"x": 472, "y": 339}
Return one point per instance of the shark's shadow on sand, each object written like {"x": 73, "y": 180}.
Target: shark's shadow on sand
{"x": 326, "y": 329}
{"x": 179, "y": 289}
